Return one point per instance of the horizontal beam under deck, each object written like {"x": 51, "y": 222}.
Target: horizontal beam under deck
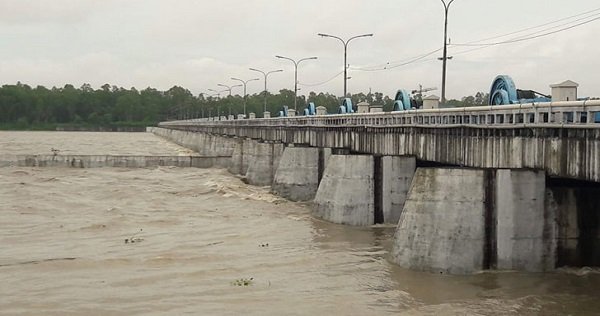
{"x": 567, "y": 153}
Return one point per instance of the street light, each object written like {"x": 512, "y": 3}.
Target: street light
{"x": 445, "y": 57}
{"x": 201, "y": 102}
{"x": 215, "y": 92}
{"x": 228, "y": 88}
{"x": 296, "y": 63}
{"x": 266, "y": 74}
{"x": 244, "y": 83}
{"x": 209, "y": 108}
{"x": 218, "y": 93}
{"x": 345, "y": 55}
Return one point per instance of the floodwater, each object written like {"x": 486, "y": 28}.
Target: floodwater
{"x": 205, "y": 243}
{"x": 88, "y": 143}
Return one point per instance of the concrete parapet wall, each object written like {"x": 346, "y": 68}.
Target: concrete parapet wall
{"x": 297, "y": 177}
{"x": 345, "y": 194}
{"x": 442, "y": 226}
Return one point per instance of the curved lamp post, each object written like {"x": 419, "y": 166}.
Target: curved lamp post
{"x": 345, "y": 43}
{"x": 228, "y": 88}
{"x": 266, "y": 74}
{"x": 296, "y": 63}
{"x": 218, "y": 93}
{"x": 244, "y": 82}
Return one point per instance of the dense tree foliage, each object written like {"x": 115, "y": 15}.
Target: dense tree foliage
{"x": 24, "y": 107}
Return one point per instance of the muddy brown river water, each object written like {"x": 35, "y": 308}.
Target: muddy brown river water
{"x": 205, "y": 243}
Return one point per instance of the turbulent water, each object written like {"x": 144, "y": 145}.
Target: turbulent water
{"x": 170, "y": 241}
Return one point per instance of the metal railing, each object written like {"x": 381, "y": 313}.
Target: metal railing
{"x": 578, "y": 114}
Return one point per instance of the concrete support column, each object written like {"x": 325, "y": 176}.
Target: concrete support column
{"x": 247, "y": 154}
{"x": 397, "y": 175}
{"x": 345, "y": 195}
{"x": 297, "y": 177}
{"x": 237, "y": 158}
{"x": 525, "y": 229}
{"x": 461, "y": 221}
{"x": 442, "y": 226}
{"x": 263, "y": 163}
{"x": 324, "y": 154}
{"x": 243, "y": 153}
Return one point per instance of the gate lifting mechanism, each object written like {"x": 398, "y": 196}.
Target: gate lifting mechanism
{"x": 310, "y": 109}
{"x": 284, "y": 111}
{"x": 346, "y": 106}
{"x": 403, "y": 101}
{"x": 504, "y": 92}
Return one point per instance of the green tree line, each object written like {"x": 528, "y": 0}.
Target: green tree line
{"x": 24, "y": 107}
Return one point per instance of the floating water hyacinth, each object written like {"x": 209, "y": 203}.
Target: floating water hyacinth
{"x": 243, "y": 282}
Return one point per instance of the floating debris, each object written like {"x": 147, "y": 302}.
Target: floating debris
{"x": 243, "y": 282}
{"x": 133, "y": 239}
{"x": 213, "y": 243}
{"x": 264, "y": 245}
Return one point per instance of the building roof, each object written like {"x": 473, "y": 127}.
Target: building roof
{"x": 565, "y": 84}
{"x": 431, "y": 97}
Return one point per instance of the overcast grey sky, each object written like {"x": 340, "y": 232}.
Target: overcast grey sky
{"x": 198, "y": 44}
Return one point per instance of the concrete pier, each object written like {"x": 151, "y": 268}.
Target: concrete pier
{"x": 237, "y": 158}
{"x": 397, "y": 175}
{"x": 297, "y": 177}
{"x": 525, "y": 231}
{"x": 442, "y": 226}
{"x": 460, "y": 221}
{"x": 241, "y": 156}
{"x": 345, "y": 195}
{"x": 263, "y": 163}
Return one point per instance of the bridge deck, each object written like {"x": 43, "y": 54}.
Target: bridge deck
{"x": 555, "y": 137}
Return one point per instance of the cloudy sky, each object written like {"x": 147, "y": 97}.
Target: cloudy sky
{"x": 198, "y": 44}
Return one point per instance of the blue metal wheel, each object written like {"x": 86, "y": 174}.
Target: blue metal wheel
{"x": 503, "y": 91}
{"x": 402, "y": 101}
